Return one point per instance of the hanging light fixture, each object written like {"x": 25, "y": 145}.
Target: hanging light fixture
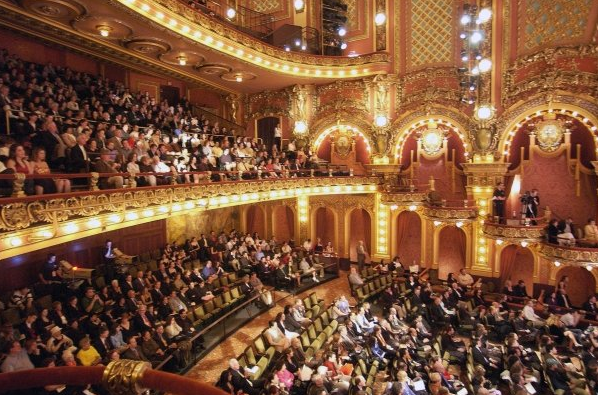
{"x": 104, "y": 30}
{"x": 182, "y": 60}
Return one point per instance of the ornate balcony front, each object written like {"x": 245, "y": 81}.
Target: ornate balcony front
{"x": 514, "y": 233}
{"x": 577, "y": 256}
{"x": 53, "y": 219}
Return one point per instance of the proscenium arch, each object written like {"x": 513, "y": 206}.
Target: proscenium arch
{"x": 556, "y": 106}
{"x": 400, "y": 137}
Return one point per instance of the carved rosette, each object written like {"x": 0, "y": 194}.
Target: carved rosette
{"x": 570, "y": 255}
{"x": 513, "y": 232}
{"x": 122, "y": 377}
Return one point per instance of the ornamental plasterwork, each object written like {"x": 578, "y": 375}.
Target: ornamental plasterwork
{"x": 431, "y": 38}
{"x": 81, "y": 44}
{"x": 512, "y": 114}
{"x": 546, "y": 22}
{"x": 513, "y": 232}
{"x": 343, "y": 205}
{"x": 348, "y": 115}
{"x": 571, "y": 81}
{"x": 269, "y": 103}
{"x": 570, "y": 255}
{"x": 401, "y": 124}
{"x": 14, "y": 216}
{"x": 551, "y": 55}
{"x": 342, "y": 101}
{"x": 402, "y": 198}
{"x": 252, "y": 43}
{"x": 444, "y": 213}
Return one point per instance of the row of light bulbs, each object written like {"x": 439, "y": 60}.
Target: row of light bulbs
{"x": 239, "y": 52}
{"x": 112, "y": 219}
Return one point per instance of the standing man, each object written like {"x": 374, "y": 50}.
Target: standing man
{"x": 498, "y": 203}
{"x": 109, "y": 260}
{"x": 360, "y": 255}
{"x": 278, "y": 137}
{"x": 534, "y": 205}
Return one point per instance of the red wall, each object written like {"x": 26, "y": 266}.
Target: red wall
{"x": 359, "y": 229}
{"x": 255, "y": 221}
{"x": 86, "y": 252}
{"x": 325, "y": 226}
{"x": 206, "y": 98}
{"x": 451, "y": 251}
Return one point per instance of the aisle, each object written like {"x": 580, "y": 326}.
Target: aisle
{"x": 209, "y": 368}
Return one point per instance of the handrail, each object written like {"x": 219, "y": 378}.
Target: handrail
{"x": 83, "y": 375}
{"x": 225, "y": 122}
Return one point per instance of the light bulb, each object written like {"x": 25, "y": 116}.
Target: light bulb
{"x": 485, "y": 65}
{"x": 182, "y": 60}
{"x": 485, "y": 15}
{"x": 342, "y": 31}
{"x": 380, "y": 19}
{"x": 465, "y": 19}
{"x": 476, "y": 37}
{"x": 239, "y": 78}
{"x": 344, "y": 45}
{"x": 230, "y": 13}
{"x": 298, "y": 4}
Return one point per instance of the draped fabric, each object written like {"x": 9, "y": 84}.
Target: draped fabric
{"x": 283, "y": 223}
{"x": 451, "y": 251}
{"x": 508, "y": 263}
{"x": 255, "y": 221}
{"x": 359, "y": 229}
{"x": 265, "y": 130}
{"x": 517, "y": 263}
{"x": 325, "y": 226}
{"x": 582, "y": 283}
{"x": 408, "y": 238}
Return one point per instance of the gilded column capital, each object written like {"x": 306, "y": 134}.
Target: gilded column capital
{"x": 122, "y": 377}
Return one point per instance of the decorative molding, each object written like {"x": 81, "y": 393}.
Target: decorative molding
{"x": 569, "y": 255}
{"x": 513, "y": 233}
{"x": 451, "y": 213}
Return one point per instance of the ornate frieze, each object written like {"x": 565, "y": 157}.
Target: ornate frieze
{"x": 498, "y": 231}
{"x": 15, "y": 215}
{"x": 569, "y": 255}
{"x": 451, "y": 213}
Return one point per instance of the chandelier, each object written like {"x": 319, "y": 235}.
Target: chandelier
{"x": 475, "y": 50}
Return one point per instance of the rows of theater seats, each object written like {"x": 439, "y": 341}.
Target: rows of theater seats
{"x": 262, "y": 354}
{"x": 373, "y": 287}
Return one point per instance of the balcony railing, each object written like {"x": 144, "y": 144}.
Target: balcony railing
{"x": 514, "y": 232}
{"x": 578, "y": 256}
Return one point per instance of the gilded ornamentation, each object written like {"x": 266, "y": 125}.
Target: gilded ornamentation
{"x": 269, "y": 103}
{"x": 325, "y": 120}
{"x": 513, "y": 232}
{"x": 570, "y": 255}
{"x": 18, "y": 184}
{"x": 251, "y": 43}
{"x": 549, "y": 134}
{"x": 122, "y": 377}
{"x": 549, "y": 21}
{"x": 14, "y": 216}
{"x": 450, "y": 213}
{"x": 342, "y": 94}
{"x": 431, "y": 32}
{"x": 403, "y": 198}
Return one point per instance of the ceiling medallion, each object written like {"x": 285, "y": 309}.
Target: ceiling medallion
{"x": 104, "y": 26}
{"x": 432, "y": 138}
{"x": 549, "y": 133}
{"x": 214, "y": 69}
{"x": 183, "y": 58}
{"x": 56, "y": 9}
{"x": 238, "y": 76}
{"x": 147, "y": 46}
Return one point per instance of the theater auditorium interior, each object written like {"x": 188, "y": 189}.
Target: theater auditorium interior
{"x": 381, "y": 197}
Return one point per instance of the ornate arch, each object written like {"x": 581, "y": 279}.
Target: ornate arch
{"x": 499, "y": 249}
{"x": 586, "y": 108}
{"x": 401, "y": 127}
{"x": 351, "y": 117}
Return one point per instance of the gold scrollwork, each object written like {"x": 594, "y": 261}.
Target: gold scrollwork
{"x": 513, "y": 232}
{"x": 122, "y": 377}
{"x": 571, "y": 255}
{"x": 451, "y": 213}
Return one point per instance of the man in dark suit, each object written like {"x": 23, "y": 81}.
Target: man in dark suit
{"x": 102, "y": 343}
{"x": 240, "y": 382}
{"x": 78, "y": 159}
{"x": 480, "y": 356}
{"x": 141, "y": 320}
{"x": 156, "y": 292}
{"x": 138, "y": 283}
{"x": 134, "y": 352}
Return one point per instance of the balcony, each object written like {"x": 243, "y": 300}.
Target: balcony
{"x": 514, "y": 233}
{"x": 53, "y": 219}
{"x": 578, "y": 256}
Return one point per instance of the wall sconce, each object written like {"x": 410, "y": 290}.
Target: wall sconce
{"x": 381, "y": 121}
{"x": 300, "y": 127}
{"x": 231, "y": 13}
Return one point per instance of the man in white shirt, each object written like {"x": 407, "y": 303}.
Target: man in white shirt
{"x": 530, "y": 314}
{"x": 464, "y": 279}
{"x": 307, "y": 246}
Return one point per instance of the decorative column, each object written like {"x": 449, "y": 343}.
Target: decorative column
{"x": 482, "y": 177}
{"x": 381, "y": 246}
{"x": 301, "y": 109}
{"x": 302, "y": 233}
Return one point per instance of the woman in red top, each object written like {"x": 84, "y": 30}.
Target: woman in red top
{"x": 17, "y": 160}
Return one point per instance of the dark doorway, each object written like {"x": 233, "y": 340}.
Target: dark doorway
{"x": 265, "y": 130}
{"x": 170, "y": 93}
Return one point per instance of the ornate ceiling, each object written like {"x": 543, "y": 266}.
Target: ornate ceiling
{"x": 421, "y": 39}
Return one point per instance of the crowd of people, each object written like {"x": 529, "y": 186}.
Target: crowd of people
{"x": 437, "y": 339}
{"x": 63, "y": 121}
{"x": 147, "y": 314}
